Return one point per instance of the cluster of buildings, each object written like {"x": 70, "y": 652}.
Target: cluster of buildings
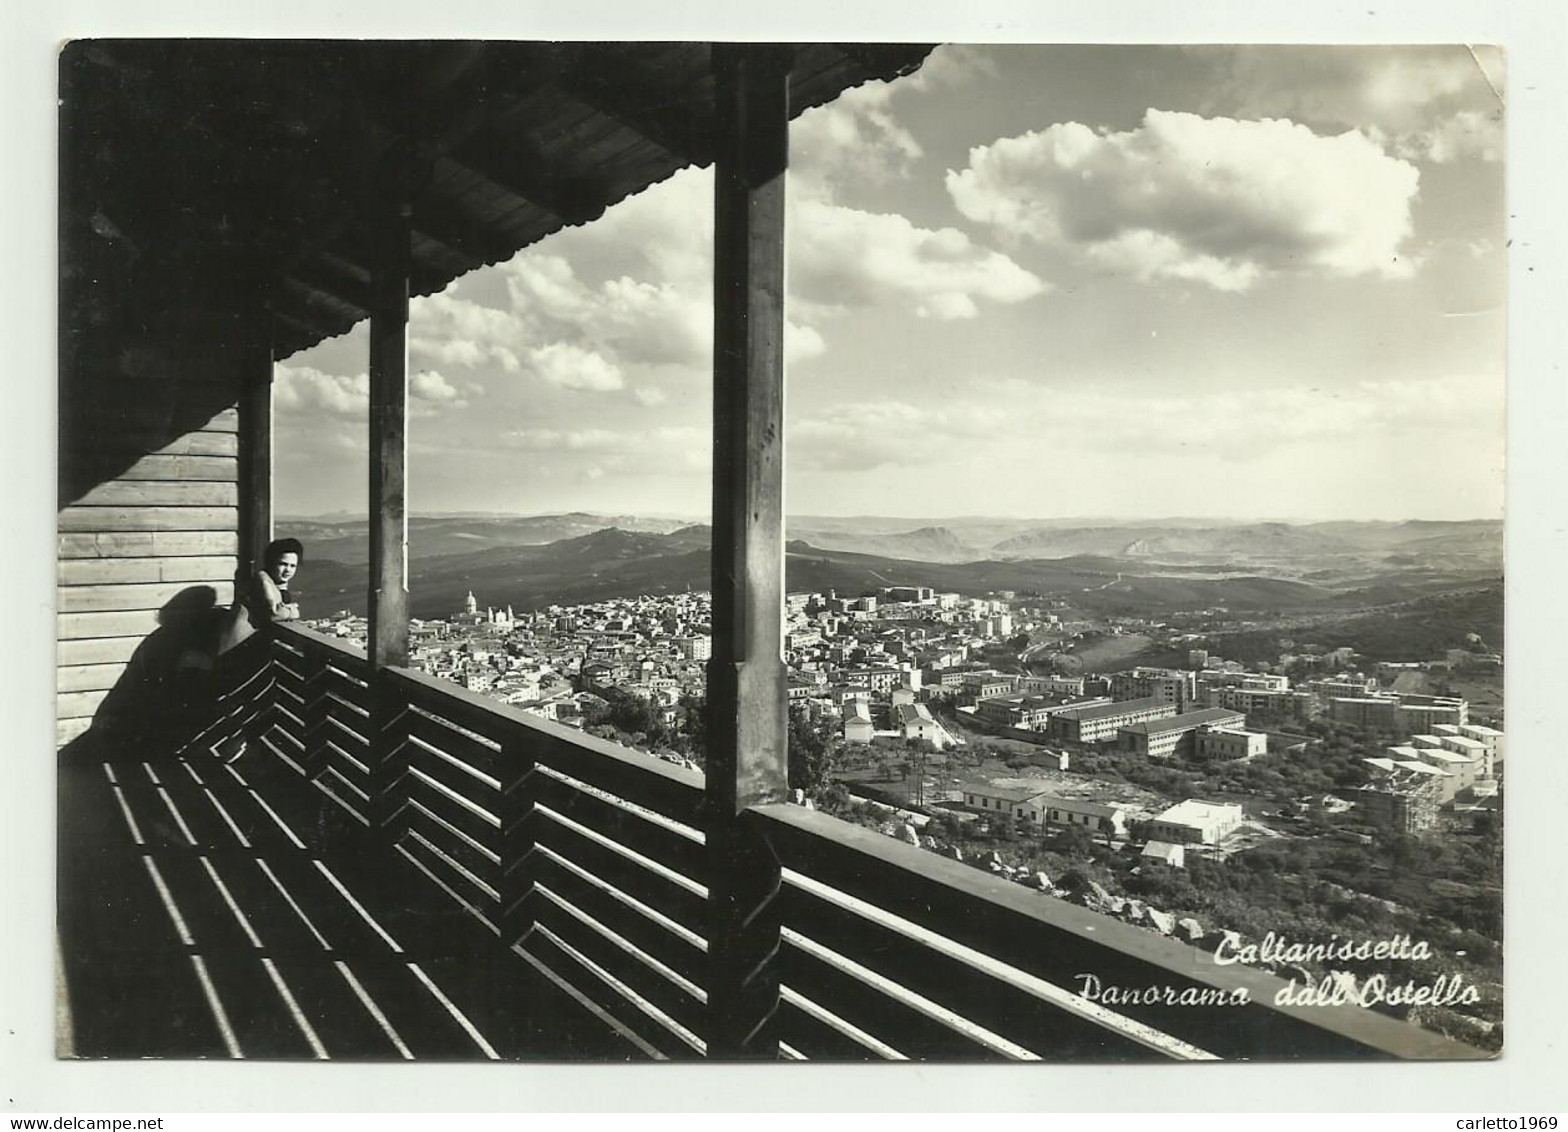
{"x": 554, "y": 662}
{"x": 1155, "y": 712}
{"x": 1191, "y": 822}
{"x": 1454, "y": 767}
{"x": 1205, "y": 713}
{"x": 867, "y": 664}
{"x": 871, "y": 665}
{"x": 1398, "y": 712}
{"x": 1214, "y": 712}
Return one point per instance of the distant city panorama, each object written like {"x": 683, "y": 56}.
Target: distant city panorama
{"x": 1226, "y": 732}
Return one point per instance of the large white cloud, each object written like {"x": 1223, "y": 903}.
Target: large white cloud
{"x": 573, "y": 367}
{"x": 855, "y": 138}
{"x": 430, "y": 388}
{"x": 304, "y": 391}
{"x": 599, "y": 309}
{"x": 845, "y": 258}
{"x": 859, "y": 140}
{"x": 450, "y": 330}
{"x": 1218, "y": 201}
{"x": 626, "y": 304}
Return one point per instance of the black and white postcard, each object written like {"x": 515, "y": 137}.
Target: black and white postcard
{"x": 811, "y": 551}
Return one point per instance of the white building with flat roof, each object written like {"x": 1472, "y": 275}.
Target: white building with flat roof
{"x": 1493, "y": 740}
{"x": 1195, "y": 822}
{"x": 1165, "y": 853}
{"x": 1463, "y": 770}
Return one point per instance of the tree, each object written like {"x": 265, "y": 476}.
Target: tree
{"x": 1074, "y": 882}
{"x": 1004, "y": 827}
{"x": 813, "y": 756}
{"x": 692, "y": 719}
{"x": 833, "y": 799}
{"x": 1074, "y": 841}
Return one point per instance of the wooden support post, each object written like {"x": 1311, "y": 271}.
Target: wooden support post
{"x": 255, "y": 485}
{"x": 388, "y": 631}
{"x": 748, "y": 729}
{"x": 255, "y": 452}
{"x": 387, "y": 642}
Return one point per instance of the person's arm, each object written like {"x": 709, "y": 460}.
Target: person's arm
{"x": 272, "y": 597}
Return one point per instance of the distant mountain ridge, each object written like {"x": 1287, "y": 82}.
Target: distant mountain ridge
{"x": 924, "y": 544}
{"x": 1295, "y": 548}
{"x": 614, "y": 562}
{"x": 431, "y": 536}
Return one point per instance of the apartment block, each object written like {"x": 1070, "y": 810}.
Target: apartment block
{"x": 1230, "y": 744}
{"x": 1175, "y": 735}
{"x": 1100, "y": 722}
{"x": 1167, "y": 685}
{"x": 1268, "y": 702}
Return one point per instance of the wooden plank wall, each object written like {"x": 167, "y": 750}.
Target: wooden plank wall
{"x": 130, "y": 544}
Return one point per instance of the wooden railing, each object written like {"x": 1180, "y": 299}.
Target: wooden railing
{"x": 589, "y": 856}
{"x": 591, "y": 861}
{"x": 321, "y": 716}
{"x": 930, "y": 958}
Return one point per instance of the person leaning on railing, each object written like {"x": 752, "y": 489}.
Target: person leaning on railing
{"x": 264, "y": 597}
{"x": 242, "y": 649}
{"x": 223, "y": 659}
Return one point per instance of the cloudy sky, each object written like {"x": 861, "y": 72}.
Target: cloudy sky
{"x": 1027, "y": 281}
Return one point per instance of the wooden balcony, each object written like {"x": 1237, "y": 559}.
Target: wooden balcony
{"x": 473, "y": 882}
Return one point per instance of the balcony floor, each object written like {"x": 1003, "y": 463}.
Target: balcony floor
{"x": 199, "y": 918}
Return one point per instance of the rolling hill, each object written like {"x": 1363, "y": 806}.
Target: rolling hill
{"x": 923, "y": 544}
{"x": 614, "y": 562}
{"x": 433, "y": 536}
{"x": 1103, "y": 567}
{"x": 1309, "y": 551}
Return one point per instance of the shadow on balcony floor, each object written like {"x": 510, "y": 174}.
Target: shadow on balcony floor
{"x": 198, "y": 918}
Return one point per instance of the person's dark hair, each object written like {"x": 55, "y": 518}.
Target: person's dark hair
{"x": 279, "y": 547}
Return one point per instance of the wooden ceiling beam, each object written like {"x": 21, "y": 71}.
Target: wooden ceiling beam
{"x": 449, "y": 226}
{"x": 347, "y": 255}
{"x": 522, "y": 170}
{"x": 309, "y": 332}
{"x": 681, "y": 129}
{"x": 509, "y": 157}
{"x": 307, "y": 312}
{"x": 318, "y": 273}
{"x": 885, "y": 61}
{"x": 311, "y": 288}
